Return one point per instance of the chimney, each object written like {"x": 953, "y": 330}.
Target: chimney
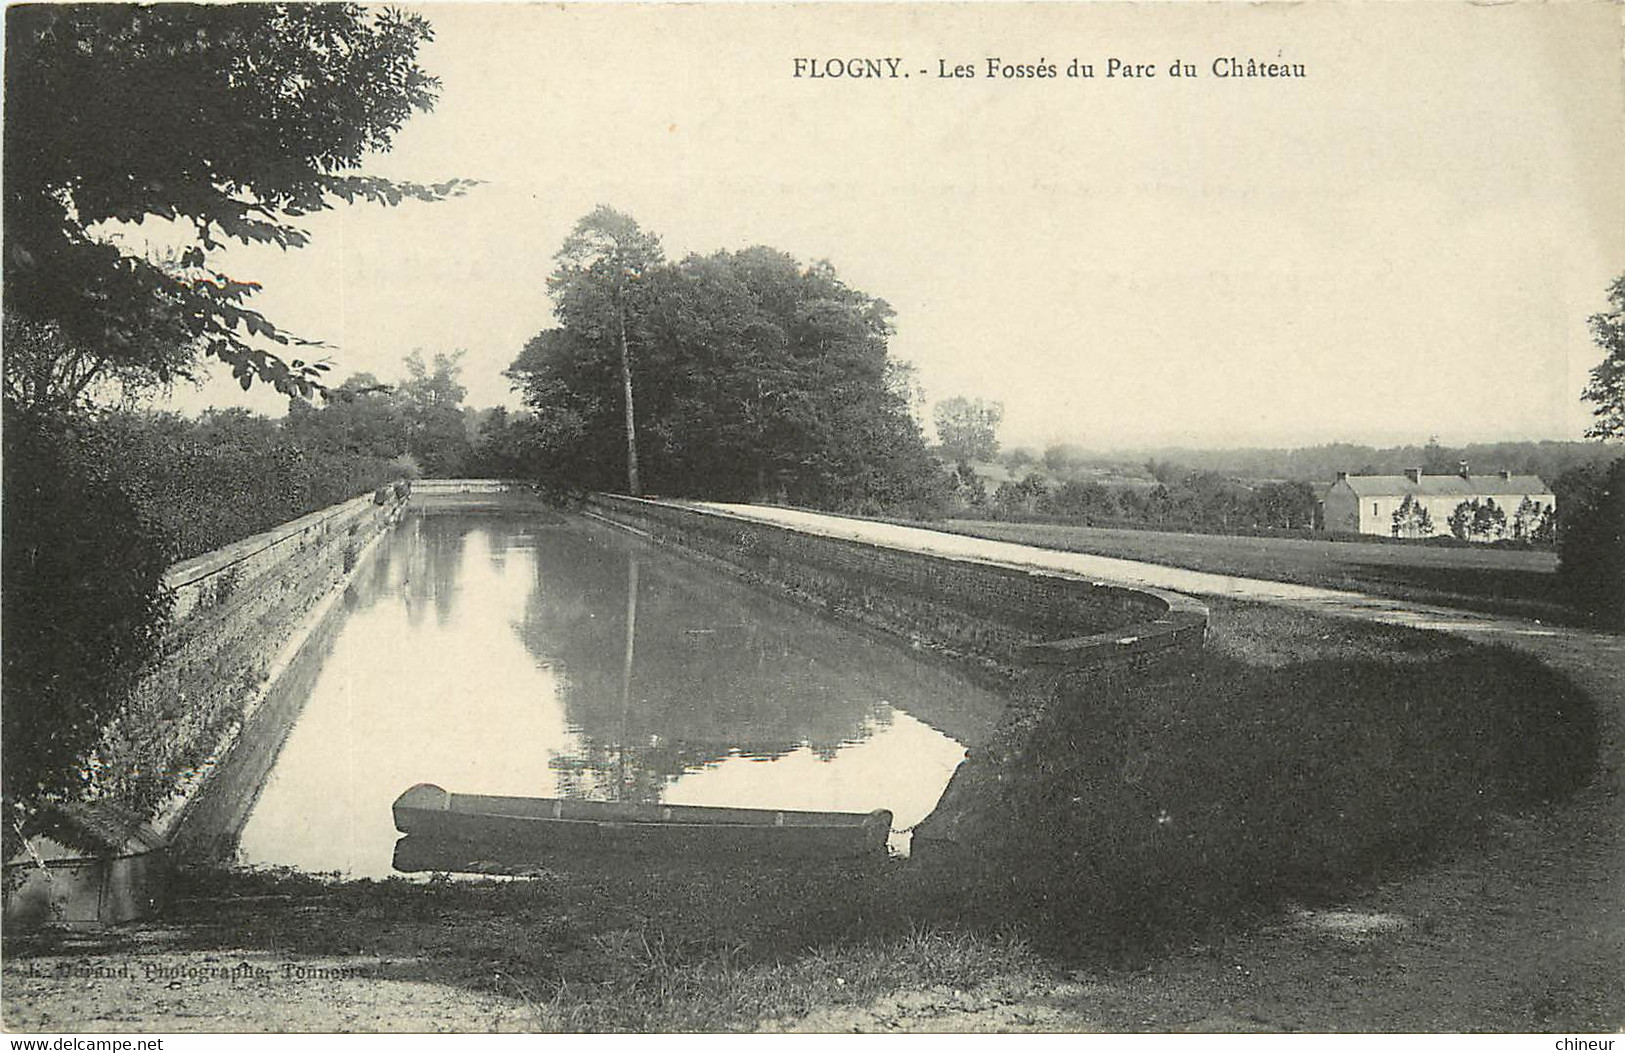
{"x": 1341, "y": 477}
{"x": 1463, "y": 470}
{"x": 1413, "y": 474}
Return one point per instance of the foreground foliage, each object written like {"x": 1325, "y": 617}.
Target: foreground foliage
{"x": 84, "y": 609}
{"x": 229, "y": 121}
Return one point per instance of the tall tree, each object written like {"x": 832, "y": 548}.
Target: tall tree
{"x": 599, "y": 282}
{"x": 431, "y": 405}
{"x": 757, "y": 377}
{"x": 1607, "y": 386}
{"x": 968, "y": 429}
{"x": 497, "y": 448}
{"x": 230, "y": 119}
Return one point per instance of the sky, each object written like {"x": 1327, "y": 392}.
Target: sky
{"x": 1404, "y": 243}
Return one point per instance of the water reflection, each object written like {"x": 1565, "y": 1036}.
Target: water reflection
{"x": 495, "y": 654}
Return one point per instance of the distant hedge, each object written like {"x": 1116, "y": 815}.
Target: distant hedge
{"x": 226, "y": 476}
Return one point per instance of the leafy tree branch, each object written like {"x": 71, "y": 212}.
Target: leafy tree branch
{"x": 232, "y": 120}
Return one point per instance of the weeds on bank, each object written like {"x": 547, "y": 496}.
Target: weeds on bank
{"x": 1131, "y": 812}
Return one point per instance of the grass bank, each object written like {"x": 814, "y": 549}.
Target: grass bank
{"x": 1503, "y": 581}
{"x": 1303, "y": 760}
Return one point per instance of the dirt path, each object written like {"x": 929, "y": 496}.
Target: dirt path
{"x": 243, "y": 992}
{"x": 1525, "y": 934}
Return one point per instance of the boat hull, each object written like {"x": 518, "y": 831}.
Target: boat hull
{"x": 522, "y": 828}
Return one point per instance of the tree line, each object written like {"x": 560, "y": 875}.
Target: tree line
{"x": 1317, "y": 465}
{"x": 737, "y": 375}
{"x": 1188, "y": 500}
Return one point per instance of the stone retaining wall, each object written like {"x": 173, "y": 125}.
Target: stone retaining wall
{"x": 435, "y": 487}
{"x": 239, "y": 612}
{"x": 1005, "y": 619}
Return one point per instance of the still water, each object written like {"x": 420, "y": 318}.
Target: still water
{"x": 500, "y": 654}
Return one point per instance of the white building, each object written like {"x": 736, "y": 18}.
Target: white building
{"x": 1392, "y": 505}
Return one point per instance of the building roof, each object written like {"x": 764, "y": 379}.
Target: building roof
{"x": 1445, "y": 485}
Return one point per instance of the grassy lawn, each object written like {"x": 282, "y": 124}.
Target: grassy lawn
{"x": 1500, "y": 580}
{"x": 1302, "y": 760}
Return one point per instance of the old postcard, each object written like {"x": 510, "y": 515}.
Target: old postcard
{"x": 993, "y": 517}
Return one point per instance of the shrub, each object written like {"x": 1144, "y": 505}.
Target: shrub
{"x": 1086, "y": 501}
{"x": 406, "y": 466}
{"x": 84, "y": 608}
{"x": 1476, "y": 520}
{"x": 1412, "y": 519}
{"x": 218, "y": 592}
{"x": 227, "y": 475}
{"x": 1591, "y": 543}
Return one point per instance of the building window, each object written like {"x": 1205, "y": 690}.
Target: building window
{"x": 1373, "y": 508}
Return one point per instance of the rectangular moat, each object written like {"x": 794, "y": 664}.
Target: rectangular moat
{"x": 514, "y": 652}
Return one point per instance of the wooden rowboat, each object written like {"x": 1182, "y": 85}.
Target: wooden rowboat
{"x": 519, "y": 827}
